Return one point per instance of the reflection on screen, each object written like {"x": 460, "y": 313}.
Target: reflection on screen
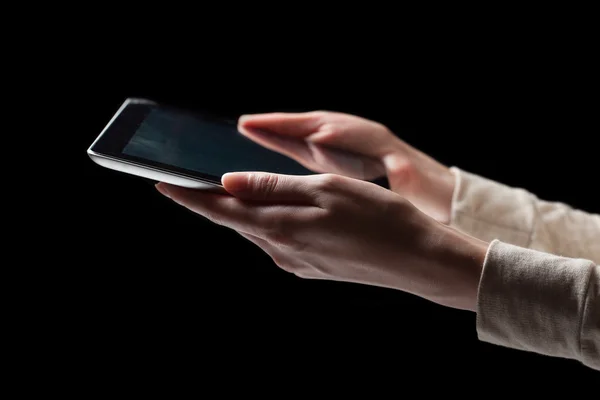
{"x": 204, "y": 146}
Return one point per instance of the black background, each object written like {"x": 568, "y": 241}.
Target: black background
{"x": 144, "y": 286}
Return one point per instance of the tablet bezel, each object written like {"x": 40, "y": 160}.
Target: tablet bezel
{"x": 125, "y": 123}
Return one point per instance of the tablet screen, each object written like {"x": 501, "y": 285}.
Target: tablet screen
{"x": 194, "y": 143}
{"x": 201, "y": 145}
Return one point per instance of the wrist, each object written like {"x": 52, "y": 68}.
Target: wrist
{"x": 463, "y": 256}
{"x": 422, "y": 180}
{"x": 440, "y": 186}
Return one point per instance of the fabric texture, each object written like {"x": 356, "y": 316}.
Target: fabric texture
{"x": 540, "y": 286}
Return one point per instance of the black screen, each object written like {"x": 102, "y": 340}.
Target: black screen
{"x": 205, "y": 145}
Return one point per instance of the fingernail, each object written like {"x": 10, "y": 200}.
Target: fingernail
{"x": 243, "y": 118}
{"x": 235, "y": 181}
{"x": 163, "y": 190}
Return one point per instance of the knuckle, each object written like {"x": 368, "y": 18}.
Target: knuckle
{"x": 317, "y": 217}
{"x": 331, "y": 188}
{"x": 265, "y": 183}
{"x": 330, "y": 127}
{"x": 330, "y": 132}
{"x": 328, "y": 182}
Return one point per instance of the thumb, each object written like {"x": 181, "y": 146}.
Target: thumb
{"x": 292, "y": 124}
{"x": 268, "y": 187}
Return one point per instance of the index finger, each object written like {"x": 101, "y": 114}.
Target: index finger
{"x": 292, "y": 124}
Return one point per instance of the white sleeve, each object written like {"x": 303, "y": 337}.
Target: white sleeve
{"x": 540, "y": 286}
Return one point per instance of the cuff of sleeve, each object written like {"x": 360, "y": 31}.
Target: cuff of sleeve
{"x": 489, "y": 210}
{"x": 533, "y": 301}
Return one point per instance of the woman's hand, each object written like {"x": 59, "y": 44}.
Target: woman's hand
{"x": 343, "y": 229}
{"x": 355, "y": 147}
